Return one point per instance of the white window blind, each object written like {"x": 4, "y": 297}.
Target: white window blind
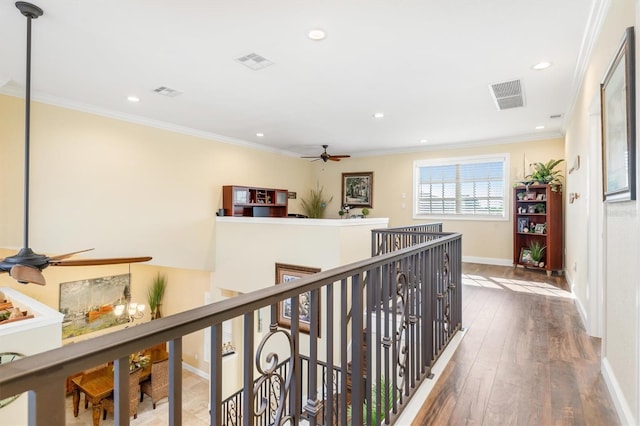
{"x": 461, "y": 187}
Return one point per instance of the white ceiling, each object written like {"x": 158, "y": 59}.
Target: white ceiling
{"x": 426, "y": 64}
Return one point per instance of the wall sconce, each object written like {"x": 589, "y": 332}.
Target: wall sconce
{"x": 133, "y": 310}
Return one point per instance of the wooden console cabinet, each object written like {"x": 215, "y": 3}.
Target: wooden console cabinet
{"x": 537, "y": 218}
{"x": 254, "y": 202}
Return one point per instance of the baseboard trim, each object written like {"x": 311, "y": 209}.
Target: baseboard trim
{"x": 195, "y": 371}
{"x": 581, "y": 310}
{"x": 413, "y": 406}
{"x": 622, "y": 408}
{"x": 488, "y": 260}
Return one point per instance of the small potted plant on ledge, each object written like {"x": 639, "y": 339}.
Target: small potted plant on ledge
{"x": 314, "y": 205}
{"x": 155, "y": 295}
{"x": 365, "y": 212}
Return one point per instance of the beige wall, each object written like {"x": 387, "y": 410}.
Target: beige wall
{"x": 124, "y": 188}
{"x": 621, "y": 340}
{"x": 128, "y": 189}
{"x": 393, "y": 178}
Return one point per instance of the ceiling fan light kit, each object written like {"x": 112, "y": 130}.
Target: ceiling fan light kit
{"x": 26, "y": 266}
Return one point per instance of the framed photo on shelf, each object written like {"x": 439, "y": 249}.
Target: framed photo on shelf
{"x": 540, "y": 197}
{"x": 525, "y": 255}
{"x": 286, "y": 273}
{"x": 522, "y": 223}
{"x": 618, "y": 112}
{"x": 357, "y": 189}
{"x": 540, "y": 228}
{"x": 529, "y": 195}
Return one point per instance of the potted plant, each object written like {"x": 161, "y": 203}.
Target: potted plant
{"x": 365, "y": 212}
{"x": 314, "y": 205}
{"x": 155, "y": 295}
{"x": 383, "y": 395}
{"x": 545, "y": 173}
{"x": 537, "y": 252}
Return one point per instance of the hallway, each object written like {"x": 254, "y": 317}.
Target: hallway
{"x": 525, "y": 358}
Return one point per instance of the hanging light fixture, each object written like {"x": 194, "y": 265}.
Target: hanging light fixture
{"x": 134, "y": 310}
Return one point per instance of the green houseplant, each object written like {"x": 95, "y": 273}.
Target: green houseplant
{"x": 537, "y": 251}
{"x": 155, "y": 294}
{"x": 314, "y": 205}
{"x": 545, "y": 173}
{"x": 384, "y": 396}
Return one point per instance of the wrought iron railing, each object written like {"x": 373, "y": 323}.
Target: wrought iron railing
{"x": 392, "y": 239}
{"x": 410, "y": 310}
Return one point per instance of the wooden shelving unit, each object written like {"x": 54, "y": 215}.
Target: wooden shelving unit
{"x": 254, "y": 201}
{"x": 538, "y": 217}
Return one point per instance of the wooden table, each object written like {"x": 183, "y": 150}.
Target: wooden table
{"x": 98, "y": 384}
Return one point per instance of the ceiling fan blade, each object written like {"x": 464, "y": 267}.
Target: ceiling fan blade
{"x": 313, "y": 156}
{"x": 95, "y": 262}
{"x": 334, "y": 158}
{"x": 66, "y": 255}
{"x": 27, "y": 274}
{"x": 340, "y": 156}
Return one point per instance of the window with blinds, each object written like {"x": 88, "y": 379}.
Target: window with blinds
{"x": 461, "y": 187}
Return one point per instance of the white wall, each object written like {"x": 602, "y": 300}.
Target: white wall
{"x": 249, "y": 248}
{"x": 621, "y": 334}
{"x": 27, "y": 337}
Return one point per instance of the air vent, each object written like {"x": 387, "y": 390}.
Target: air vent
{"x": 555, "y": 116}
{"x": 507, "y": 94}
{"x": 167, "y": 91}
{"x": 254, "y": 61}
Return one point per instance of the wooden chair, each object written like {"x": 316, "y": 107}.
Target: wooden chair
{"x": 157, "y": 386}
{"x": 134, "y": 390}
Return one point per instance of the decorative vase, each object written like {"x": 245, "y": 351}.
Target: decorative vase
{"x": 156, "y": 313}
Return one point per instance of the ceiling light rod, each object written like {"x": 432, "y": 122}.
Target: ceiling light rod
{"x": 31, "y": 11}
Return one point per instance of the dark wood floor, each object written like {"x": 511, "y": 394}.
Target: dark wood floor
{"x": 525, "y": 358}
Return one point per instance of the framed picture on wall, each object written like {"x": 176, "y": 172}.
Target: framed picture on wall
{"x": 357, "y": 189}
{"x": 286, "y": 273}
{"x": 617, "y": 101}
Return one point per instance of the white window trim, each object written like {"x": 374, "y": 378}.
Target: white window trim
{"x": 504, "y": 157}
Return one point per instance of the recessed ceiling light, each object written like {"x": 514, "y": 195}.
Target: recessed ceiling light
{"x": 133, "y": 99}
{"x": 259, "y": 134}
{"x": 539, "y": 127}
{"x": 378, "y": 115}
{"x": 541, "y": 66}
{"x": 423, "y": 141}
{"x": 317, "y": 34}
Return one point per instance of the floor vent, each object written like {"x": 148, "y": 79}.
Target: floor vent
{"x": 507, "y": 94}
{"x": 254, "y": 61}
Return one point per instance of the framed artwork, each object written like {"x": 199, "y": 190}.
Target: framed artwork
{"x": 617, "y": 102}
{"x": 88, "y": 305}
{"x": 540, "y": 228}
{"x": 522, "y": 223}
{"x": 357, "y": 189}
{"x": 286, "y": 273}
{"x": 525, "y": 255}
